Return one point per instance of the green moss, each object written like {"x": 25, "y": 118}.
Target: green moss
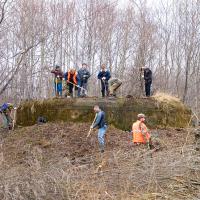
{"x": 120, "y": 113}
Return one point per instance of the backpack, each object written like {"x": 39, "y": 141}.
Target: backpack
{"x": 4, "y": 107}
{"x": 41, "y": 120}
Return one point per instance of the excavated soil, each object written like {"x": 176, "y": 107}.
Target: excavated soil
{"x": 57, "y": 161}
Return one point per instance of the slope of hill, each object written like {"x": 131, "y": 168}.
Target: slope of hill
{"x": 57, "y": 161}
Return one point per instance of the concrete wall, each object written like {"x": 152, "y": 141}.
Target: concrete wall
{"x": 120, "y": 113}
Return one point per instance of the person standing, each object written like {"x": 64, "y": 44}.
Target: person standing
{"x": 140, "y": 132}
{"x": 104, "y": 76}
{"x": 114, "y": 84}
{"x": 148, "y": 81}
{"x": 83, "y": 76}
{"x": 58, "y": 80}
{"x": 101, "y": 125}
{"x": 5, "y": 111}
{"x": 71, "y": 78}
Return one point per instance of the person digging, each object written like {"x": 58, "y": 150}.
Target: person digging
{"x": 99, "y": 122}
{"x": 113, "y": 86}
{"x": 140, "y": 132}
{"x": 5, "y": 111}
{"x": 71, "y": 78}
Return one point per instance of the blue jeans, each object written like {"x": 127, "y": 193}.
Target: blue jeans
{"x": 101, "y": 137}
{"x": 58, "y": 90}
{"x": 7, "y": 120}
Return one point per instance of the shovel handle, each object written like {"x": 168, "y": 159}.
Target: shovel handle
{"x": 89, "y": 133}
{"x": 92, "y": 125}
{"x": 14, "y": 118}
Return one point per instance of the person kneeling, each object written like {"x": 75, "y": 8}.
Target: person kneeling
{"x": 140, "y": 131}
{"x": 114, "y": 85}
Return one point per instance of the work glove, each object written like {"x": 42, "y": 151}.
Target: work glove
{"x": 104, "y": 78}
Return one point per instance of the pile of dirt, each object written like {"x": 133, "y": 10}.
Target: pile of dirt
{"x": 57, "y": 161}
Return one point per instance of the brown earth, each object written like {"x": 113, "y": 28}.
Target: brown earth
{"x": 57, "y": 161}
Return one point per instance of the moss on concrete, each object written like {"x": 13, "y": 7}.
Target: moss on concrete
{"x": 121, "y": 112}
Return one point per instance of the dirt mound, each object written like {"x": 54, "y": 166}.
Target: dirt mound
{"x": 57, "y": 161}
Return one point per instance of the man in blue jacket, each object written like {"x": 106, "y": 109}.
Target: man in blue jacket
{"x": 101, "y": 125}
{"x": 83, "y": 76}
{"x": 104, "y": 76}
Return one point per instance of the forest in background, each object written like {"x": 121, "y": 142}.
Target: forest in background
{"x": 35, "y": 35}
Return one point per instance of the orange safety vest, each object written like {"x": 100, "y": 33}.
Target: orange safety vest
{"x": 140, "y": 132}
{"x": 74, "y": 77}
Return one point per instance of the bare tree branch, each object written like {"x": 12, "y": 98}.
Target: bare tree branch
{"x": 3, "y": 11}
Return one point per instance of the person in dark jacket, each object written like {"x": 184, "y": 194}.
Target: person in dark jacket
{"x": 83, "y": 76}
{"x": 104, "y": 76}
{"x": 101, "y": 125}
{"x": 58, "y": 80}
{"x": 148, "y": 81}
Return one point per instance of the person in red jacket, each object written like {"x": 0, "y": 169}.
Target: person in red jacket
{"x": 58, "y": 80}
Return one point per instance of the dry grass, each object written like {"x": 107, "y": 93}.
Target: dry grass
{"x": 72, "y": 168}
{"x": 169, "y": 99}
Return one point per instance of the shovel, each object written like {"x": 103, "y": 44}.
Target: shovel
{"x": 14, "y": 118}
{"x": 91, "y": 125}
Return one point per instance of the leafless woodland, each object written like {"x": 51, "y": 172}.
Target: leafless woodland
{"x": 37, "y": 34}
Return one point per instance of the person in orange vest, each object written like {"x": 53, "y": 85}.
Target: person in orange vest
{"x": 140, "y": 131}
{"x": 72, "y": 81}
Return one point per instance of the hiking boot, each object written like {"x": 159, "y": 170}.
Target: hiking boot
{"x": 103, "y": 94}
{"x": 101, "y": 148}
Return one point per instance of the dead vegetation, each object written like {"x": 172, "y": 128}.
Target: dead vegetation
{"x": 169, "y": 100}
{"x": 57, "y": 161}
